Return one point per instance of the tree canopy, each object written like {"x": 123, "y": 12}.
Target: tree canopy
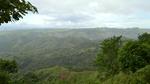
{"x": 133, "y": 56}
{"x": 7, "y": 67}
{"x": 13, "y": 10}
{"x": 107, "y": 58}
{"x": 144, "y": 38}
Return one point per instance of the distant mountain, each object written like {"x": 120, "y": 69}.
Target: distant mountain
{"x": 71, "y": 48}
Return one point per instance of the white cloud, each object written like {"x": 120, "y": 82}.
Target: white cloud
{"x": 89, "y": 13}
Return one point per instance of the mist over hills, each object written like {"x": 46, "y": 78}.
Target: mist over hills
{"x": 73, "y": 48}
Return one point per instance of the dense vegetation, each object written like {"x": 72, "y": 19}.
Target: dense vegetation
{"x": 125, "y": 62}
{"x": 71, "y": 56}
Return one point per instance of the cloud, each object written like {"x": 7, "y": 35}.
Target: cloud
{"x": 102, "y": 6}
{"x": 89, "y": 13}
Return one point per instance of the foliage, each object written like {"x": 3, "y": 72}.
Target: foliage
{"x": 12, "y": 10}
{"x": 145, "y": 37}
{"x": 107, "y": 58}
{"x": 8, "y": 66}
{"x": 29, "y": 78}
{"x": 133, "y": 56}
{"x": 60, "y": 75}
{"x": 142, "y": 76}
{"x": 4, "y": 77}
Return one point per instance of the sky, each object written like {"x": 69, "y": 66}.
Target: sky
{"x": 86, "y": 14}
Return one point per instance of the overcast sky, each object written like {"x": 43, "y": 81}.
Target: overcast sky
{"x": 87, "y": 13}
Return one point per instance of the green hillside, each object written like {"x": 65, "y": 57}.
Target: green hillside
{"x": 74, "y": 56}
{"x": 72, "y": 48}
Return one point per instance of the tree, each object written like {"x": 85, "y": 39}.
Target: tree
{"x": 4, "y": 77}
{"x": 30, "y": 78}
{"x": 13, "y": 10}
{"x": 107, "y": 57}
{"x": 145, "y": 37}
{"x": 8, "y": 66}
{"x": 133, "y": 56}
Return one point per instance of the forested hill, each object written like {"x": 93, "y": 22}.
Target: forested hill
{"x": 71, "y": 48}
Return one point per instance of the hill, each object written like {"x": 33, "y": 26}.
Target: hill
{"x": 72, "y": 48}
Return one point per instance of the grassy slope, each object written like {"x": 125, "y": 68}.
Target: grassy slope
{"x": 60, "y": 75}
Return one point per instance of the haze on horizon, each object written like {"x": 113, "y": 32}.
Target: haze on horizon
{"x": 86, "y": 13}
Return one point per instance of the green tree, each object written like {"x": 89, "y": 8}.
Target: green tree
{"x": 4, "y": 77}
{"x": 145, "y": 38}
{"x": 133, "y": 56}
{"x": 29, "y": 78}
{"x": 13, "y": 10}
{"x": 107, "y": 57}
{"x": 8, "y": 66}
